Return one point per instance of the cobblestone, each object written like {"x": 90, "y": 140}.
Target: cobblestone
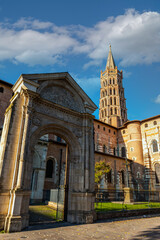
{"x": 126, "y": 229}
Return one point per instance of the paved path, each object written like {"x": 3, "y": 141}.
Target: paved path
{"x": 133, "y": 229}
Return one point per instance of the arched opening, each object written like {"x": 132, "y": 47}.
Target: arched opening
{"x": 114, "y": 151}
{"x": 123, "y": 151}
{"x": 122, "y": 177}
{"x": 109, "y": 176}
{"x": 49, "y": 177}
{"x": 104, "y": 149}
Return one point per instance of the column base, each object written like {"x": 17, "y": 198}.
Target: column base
{"x": 81, "y": 217}
{"x": 16, "y": 223}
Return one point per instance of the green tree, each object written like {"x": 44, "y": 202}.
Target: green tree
{"x": 101, "y": 168}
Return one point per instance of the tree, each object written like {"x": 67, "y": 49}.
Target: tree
{"x": 101, "y": 168}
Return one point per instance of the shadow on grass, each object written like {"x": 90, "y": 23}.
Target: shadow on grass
{"x": 41, "y": 214}
{"x": 150, "y": 234}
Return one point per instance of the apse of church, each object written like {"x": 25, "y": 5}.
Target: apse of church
{"x": 112, "y": 101}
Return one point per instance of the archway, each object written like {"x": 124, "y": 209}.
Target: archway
{"x": 50, "y": 175}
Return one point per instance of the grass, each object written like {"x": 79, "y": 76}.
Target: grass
{"x": 120, "y": 206}
{"x": 43, "y": 213}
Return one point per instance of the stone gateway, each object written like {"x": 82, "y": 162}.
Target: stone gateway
{"x": 46, "y": 104}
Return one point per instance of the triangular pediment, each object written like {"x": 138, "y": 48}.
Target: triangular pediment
{"x": 59, "y": 88}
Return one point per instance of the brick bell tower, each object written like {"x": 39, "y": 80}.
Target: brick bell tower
{"x": 112, "y": 101}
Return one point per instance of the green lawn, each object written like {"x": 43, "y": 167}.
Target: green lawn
{"x": 43, "y": 213}
{"x": 120, "y": 206}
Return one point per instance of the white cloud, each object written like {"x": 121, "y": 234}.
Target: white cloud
{"x": 134, "y": 37}
{"x": 31, "y": 23}
{"x": 157, "y": 100}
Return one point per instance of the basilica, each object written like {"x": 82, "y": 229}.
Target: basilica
{"x": 50, "y": 140}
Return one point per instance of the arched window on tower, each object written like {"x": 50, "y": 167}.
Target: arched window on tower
{"x": 102, "y": 103}
{"x": 154, "y": 146}
{"x": 115, "y": 111}
{"x": 102, "y": 114}
{"x": 105, "y": 102}
{"x": 114, "y": 151}
{"x": 103, "y": 94}
{"x": 122, "y": 112}
{"x": 114, "y": 100}
{"x": 105, "y": 113}
{"x": 103, "y": 84}
{"x": 111, "y": 91}
{"x": 106, "y": 93}
{"x": 49, "y": 168}
{"x": 123, "y": 151}
{"x": 113, "y": 81}
{"x": 110, "y": 81}
{"x": 104, "y": 149}
{"x": 114, "y": 91}
{"x": 111, "y": 111}
{"x": 111, "y": 101}
{"x": 157, "y": 172}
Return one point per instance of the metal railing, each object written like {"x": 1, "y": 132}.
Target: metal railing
{"x": 114, "y": 200}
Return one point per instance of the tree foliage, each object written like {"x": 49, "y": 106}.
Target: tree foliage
{"x": 101, "y": 168}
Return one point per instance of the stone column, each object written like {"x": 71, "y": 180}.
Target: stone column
{"x": 128, "y": 195}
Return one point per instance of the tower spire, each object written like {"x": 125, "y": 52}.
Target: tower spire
{"x": 110, "y": 61}
{"x": 112, "y": 101}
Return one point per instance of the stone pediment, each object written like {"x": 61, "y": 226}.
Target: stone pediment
{"x": 63, "y": 97}
{"x": 59, "y": 88}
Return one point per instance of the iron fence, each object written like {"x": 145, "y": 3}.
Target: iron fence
{"x": 114, "y": 200}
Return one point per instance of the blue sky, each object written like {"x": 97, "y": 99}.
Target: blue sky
{"x": 58, "y": 36}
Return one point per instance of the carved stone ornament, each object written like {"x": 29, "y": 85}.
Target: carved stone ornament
{"x": 36, "y": 121}
{"x": 61, "y": 96}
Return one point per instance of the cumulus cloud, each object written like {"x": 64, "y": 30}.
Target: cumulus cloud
{"x": 157, "y": 100}
{"x": 32, "y": 24}
{"x": 134, "y": 38}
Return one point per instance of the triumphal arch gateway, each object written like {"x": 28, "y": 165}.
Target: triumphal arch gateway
{"x": 44, "y": 104}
